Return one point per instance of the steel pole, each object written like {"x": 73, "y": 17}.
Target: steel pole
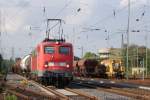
{"x": 82, "y": 51}
{"x": 137, "y": 58}
{"x": 143, "y": 69}
{"x": 128, "y": 29}
{"x": 146, "y": 53}
{"x": 0, "y": 23}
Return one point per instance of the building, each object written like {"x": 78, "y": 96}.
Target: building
{"x": 110, "y": 53}
{"x": 104, "y": 53}
{"x": 138, "y": 70}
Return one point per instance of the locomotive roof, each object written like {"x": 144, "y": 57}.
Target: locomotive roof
{"x": 54, "y": 41}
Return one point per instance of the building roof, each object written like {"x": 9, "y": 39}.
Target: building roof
{"x": 104, "y": 50}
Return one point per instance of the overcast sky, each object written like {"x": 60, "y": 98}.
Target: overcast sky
{"x": 80, "y": 16}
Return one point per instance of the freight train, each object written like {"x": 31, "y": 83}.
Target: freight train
{"x": 50, "y": 63}
{"x": 102, "y": 69}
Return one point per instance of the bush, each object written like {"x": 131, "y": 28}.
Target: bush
{"x": 11, "y": 97}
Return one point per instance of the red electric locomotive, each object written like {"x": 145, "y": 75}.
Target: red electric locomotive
{"x": 52, "y": 61}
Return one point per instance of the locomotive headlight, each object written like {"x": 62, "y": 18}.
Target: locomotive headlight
{"x": 68, "y": 66}
{"x": 57, "y": 42}
{"x": 45, "y": 65}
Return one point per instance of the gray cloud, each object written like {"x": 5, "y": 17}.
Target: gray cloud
{"x": 21, "y": 14}
{"x": 14, "y": 3}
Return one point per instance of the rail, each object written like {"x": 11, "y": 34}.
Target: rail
{"x": 30, "y": 92}
{"x": 82, "y": 94}
{"x": 63, "y": 97}
{"x": 24, "y": 97}
{"x": 129, "y": 93}
{"x": 134, "y": 93}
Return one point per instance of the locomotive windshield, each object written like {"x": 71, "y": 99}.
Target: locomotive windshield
{"x": 64, "y": 50}
{"x": 49, "y": 50}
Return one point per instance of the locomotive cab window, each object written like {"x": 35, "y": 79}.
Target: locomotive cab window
{"x": 64, "y": 50}
{"x": 49, "y": 50}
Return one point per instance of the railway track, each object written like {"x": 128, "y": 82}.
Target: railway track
{"x": 30, "y": 90}
{"x": 19, "y": 95}
{"x": 68, "y": 93}
{"x": 137, "y": 94}
{"x": 19, "y": 84}
{"x": 127, "y": 92}
{"x": 75, "y": 94}
{"x": 30, "y": 93}
{"x": 100, "y": 95}
{"x": 26, "y": 95}
{"x": 33, "y": 90}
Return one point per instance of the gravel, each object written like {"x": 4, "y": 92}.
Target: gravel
{"x": 101, "y": 95}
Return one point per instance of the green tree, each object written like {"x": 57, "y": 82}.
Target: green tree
{"x": 1, "y": 60}
{"x": 76, "y": 58}
{"x": 90, "y": 55}
{"x": 135, "y": 52}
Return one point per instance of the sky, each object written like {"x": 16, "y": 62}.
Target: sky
{"x": 23, "y": 23}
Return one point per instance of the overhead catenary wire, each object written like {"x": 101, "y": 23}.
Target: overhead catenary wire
{"x": 110, "y": 16}
{"x": 114, "y": 14}
{"x": 141, "y": 14}
{"x": 61, "y": 10}
{"x": 10, "y": 18}
{"x": 58, "y": 13}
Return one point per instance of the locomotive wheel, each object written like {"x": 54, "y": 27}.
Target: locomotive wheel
{"x": 45, "y": 81}
{"x": 59, "y": 83}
